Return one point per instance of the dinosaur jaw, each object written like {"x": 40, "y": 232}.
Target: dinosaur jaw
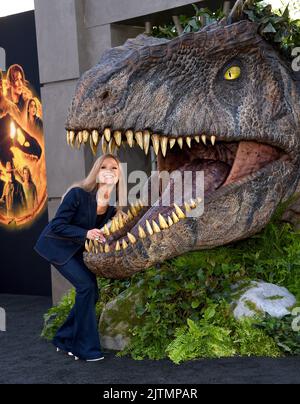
{"x": 158, "y": 232}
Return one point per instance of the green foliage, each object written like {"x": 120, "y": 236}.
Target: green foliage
{"x": 277, "y": 28}
{"x": 189, "y": 24}
{"x": 274, "y": 26}
{"x": 282, "y": 332}
{"x": 187, "y": 286}
{"x": 57, "y": 315}
{"x": 212, "y": 337}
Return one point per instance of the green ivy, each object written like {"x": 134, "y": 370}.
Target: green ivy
{"x": 212, "y": 337}
{"x": 277, "y": 28}
{"x": 185, "y": 287}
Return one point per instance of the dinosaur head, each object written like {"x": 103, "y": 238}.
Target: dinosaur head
{"x": 222, "y": 101}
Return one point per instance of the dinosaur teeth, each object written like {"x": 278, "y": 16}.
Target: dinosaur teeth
{"x": 164, "y": 145}
{"x": 180, "y": 142}
{"x": 162, "y": 222}
{"x": 107, "y": 134}
{"x": 118, "y": 247}
{"x": 155, "y": 142}
{"x": 179, "y": 212}
{"x": 142, "y": 233}
{"x": 139, "y": 139}
{"x": 129, "y": 137}
{"x": 118, "y": 137}
{"x": 155, "y": 227}
{"x": 149, "y": 228}
{"x": 112, "y": 141}
{"x": 131, "y": 238}
{"x": 146, "y": 137}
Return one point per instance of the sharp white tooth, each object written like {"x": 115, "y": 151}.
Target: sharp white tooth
{"x": 129, "y": 136}
{"x": 106, "y": 230}
{"x": 172, "y": 143}
{"x": 93, "y": 147}
{"x": 124, "y": 244}
{"x": 68, "y": 137}
{"x": 80, "y": 137}
{"x": 203, "y": 138}
{"x": 179, "y": 212}
{"x": 101, "y": 248}
{"x": 146, "y": 137}
{"x": 193, "y": 204}
{"x": 95, "y": 136}
{"x": 139, "y": 139}
{"x": 149, "y": 228}
{"x": 114, "y": 226}
{"x": 86, "y": 136}
{"x": 155, "y": 227}
{"x": 131, "y": 238}
{"x": 104, "y": 145}
{"x": 170, "y": 221}
{"x": 175, "y": 217}
{"x": 111, "y": 146}
{"x": 162, "y": 222}
{"x": 107, "y": 134}
{"x": 142, "y": 233}
{"x": 189, "y": 141}
{"x": 187, "y": 207}
{"x": 121, "y": 222}
{"x": 134, "y": 210}
{"x": 87, "y": 246}
{"x": 155, "y": 142}
{"x": 213, "y": 140}
{"x": 72, "y": 138}
{"x": 164, "y": 145}
{"x": 118, "y": 137}
{"x": 180, "y": 142}
{"x": 130, "y": 215}
{"x": 118, "y": 247}
{"x": 197, "y": 138}
{"x": 91, "y": 245}
{"x": 106, "y": 248}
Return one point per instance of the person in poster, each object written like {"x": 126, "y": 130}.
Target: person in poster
{"x": 22, "y": 164}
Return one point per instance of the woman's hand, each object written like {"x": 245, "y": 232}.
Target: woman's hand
{"x": 96, "y": 234}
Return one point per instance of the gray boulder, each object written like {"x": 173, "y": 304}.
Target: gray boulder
{"x": 258, "y": 298}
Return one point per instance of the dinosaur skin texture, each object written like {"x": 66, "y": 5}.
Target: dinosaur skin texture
{"x": 243, "y": 133}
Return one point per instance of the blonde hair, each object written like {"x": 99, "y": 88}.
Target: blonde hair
{"x": 90, "y": 183}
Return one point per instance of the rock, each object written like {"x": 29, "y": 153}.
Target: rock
{"x": 258, "y": 298}
{"x": 117, "y": 318}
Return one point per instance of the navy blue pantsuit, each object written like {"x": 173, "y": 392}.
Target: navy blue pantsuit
{"x": 62, "y": 244}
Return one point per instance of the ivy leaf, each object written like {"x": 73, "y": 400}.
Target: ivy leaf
{"x": 269, "y": 29}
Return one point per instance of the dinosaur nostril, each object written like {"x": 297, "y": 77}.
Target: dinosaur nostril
{"x": 104, "y": 95}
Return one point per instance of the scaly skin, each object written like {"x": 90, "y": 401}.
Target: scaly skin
{"x": 177, "y": 89}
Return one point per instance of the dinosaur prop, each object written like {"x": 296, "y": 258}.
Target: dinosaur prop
{"x": 222, "y": 100}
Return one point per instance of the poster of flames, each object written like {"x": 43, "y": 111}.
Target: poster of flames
{"x": 23, "y": 187}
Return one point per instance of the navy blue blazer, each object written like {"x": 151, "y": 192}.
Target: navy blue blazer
{"x": 66, "y": 233}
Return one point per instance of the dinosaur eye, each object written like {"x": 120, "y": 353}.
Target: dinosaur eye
{"x": 232, "y": 73}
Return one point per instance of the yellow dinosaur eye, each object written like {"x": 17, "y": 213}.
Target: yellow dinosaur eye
{"x": 232, "y": 73}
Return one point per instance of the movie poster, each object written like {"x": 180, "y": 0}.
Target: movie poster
{"x": 23, "y": 192}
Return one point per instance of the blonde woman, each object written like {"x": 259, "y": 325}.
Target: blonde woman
{"x": 83, "y": 211}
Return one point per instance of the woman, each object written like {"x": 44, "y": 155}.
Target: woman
{"x": 33, "y": 121}
{"x": 29, "y": 189}
{"x": 83, "y": 210}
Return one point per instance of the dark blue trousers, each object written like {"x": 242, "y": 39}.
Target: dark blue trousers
{"x": 79, "y": 333}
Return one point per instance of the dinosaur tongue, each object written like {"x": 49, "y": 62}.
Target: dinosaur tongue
{"x": 251, "y": 157}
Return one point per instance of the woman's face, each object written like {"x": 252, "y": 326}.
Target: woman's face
{"x": 18, "y": 83}
{"x": 26, "y": 175}
{"x": 32, "y": 109}
{"x": 109, "y": 172}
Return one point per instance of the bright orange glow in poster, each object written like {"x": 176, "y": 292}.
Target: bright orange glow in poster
{"x": 23, "y": 187}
